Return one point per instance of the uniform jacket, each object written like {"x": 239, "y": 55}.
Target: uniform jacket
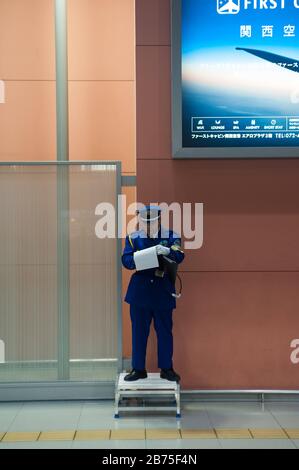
{"x": 145, "y": 289}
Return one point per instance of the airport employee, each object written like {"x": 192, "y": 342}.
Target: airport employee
{"x": 150, "y": 293}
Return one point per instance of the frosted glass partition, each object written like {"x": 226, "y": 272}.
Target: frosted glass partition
{"x": 59, "y": 283}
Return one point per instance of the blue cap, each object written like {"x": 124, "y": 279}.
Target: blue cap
{"x": 150, "y": 213}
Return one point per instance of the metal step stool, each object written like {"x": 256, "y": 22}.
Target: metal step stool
{"x": 151, "y": 386}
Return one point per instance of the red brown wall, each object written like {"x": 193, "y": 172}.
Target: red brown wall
{"x": 240, "y": 307}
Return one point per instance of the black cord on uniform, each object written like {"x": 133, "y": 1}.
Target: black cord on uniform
{"x": 181, "y": 284}
{"x": 177, "y": 296}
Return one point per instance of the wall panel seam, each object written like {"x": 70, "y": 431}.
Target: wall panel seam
{"x": 27, "y": 80}
{"x": 53, "y": 80}
{"x": 109, "y": 81}
{"x": 241, "y": 271}
{"x": 153, "y": 45}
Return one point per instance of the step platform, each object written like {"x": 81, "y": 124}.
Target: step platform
{"x": 152, "y": 386}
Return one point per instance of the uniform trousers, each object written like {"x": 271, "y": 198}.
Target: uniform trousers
{"x": 141, "y": 318}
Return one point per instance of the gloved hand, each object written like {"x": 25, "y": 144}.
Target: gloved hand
{"x": 162, "y": 250}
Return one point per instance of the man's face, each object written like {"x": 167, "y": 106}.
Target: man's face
{"x": 150, "y": 228}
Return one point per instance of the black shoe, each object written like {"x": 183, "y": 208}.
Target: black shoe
{"x": 136, "y": 375}
{"x": 170, "y": 374}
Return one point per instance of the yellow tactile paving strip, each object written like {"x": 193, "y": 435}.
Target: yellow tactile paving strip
{"x": 198, "y": 434}
{"x": 21, "y": 437}
{"x": 143, "y": 434}
{"x": 269, "y": 434}
{"x": 102, "y": 435}
{"x": 57, "y": 436}
{"x": 129, "y": 434}
{"x": 158, "y": 434}
{"x": 292, "y": 433}
{"x": 233, "y": 433}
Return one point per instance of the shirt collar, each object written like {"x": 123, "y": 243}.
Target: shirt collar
{"x": 162, "y": 233}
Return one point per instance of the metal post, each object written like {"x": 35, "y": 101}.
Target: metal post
{"x": 62, "y": 81}
{"x": 63, "y": 258}
{"x": 118, "y": 214}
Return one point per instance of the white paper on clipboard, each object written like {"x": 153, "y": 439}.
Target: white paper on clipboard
{"x": 146, "y": 259}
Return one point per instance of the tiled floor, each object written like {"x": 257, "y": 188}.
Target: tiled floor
{"x": 71, "y": 416}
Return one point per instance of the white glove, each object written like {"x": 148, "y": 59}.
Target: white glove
{"x": 162, "y": 250}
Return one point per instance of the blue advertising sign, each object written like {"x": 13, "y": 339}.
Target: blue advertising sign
{"x": 235, "y": 78}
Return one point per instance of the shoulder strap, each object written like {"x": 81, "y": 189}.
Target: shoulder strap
{"x": 131, "y": 243}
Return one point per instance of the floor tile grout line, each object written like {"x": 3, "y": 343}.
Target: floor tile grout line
{"x": 270, "y": 415}
{"x": 80, "y": 414}
{"x": 16, "y": 415}
{"x": 212, "y": 426}
{"x": 209, "y": 417}
{"x": 220, "y": 443}
{"x": 21, "y": 408}
{"x": 295, "y": 444}
{"x": 275, "y": 419}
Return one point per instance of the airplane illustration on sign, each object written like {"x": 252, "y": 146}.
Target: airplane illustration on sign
{"x": 228, "y": 7}
{"x": 280, "y": 60}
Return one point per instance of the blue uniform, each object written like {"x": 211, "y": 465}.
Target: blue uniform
{"x": 150, "y": 297}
